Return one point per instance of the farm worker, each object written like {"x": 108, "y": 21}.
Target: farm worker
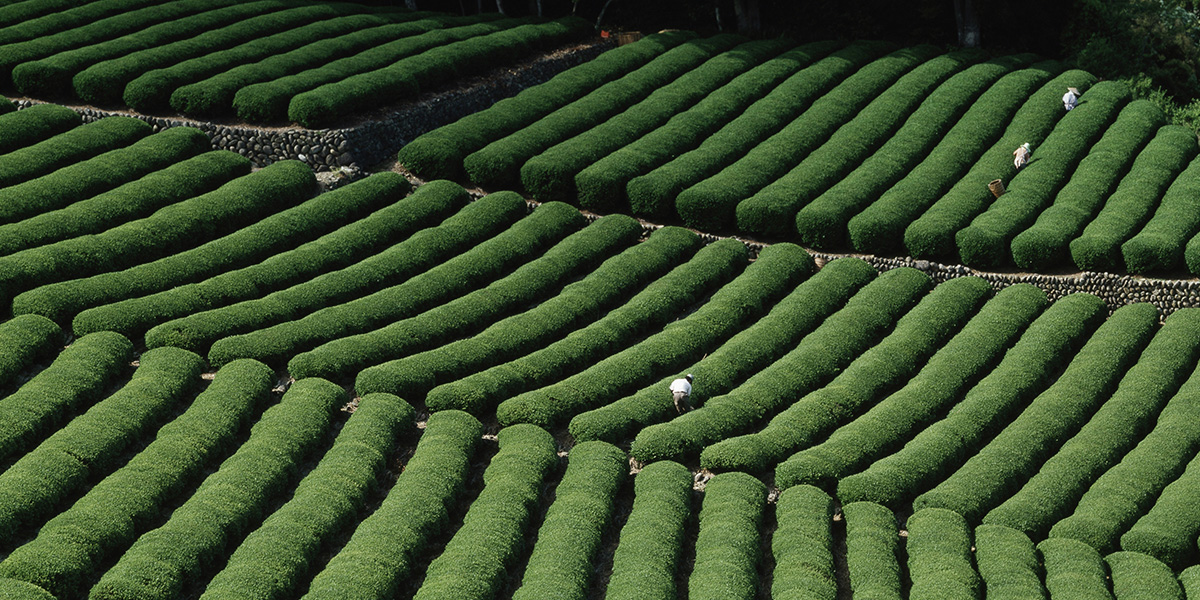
{"x": 682, "y": 388}
{"x": 1021, "y": 155}
{"x": 1071, "y": 98}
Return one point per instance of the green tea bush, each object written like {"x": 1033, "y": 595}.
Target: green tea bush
{"x": 1137, "y": 576}
{"x": 613, "y": 282}
{"x": 817, "y": 359}
{"x": 654, "y": 193}
{"x": 498, "y": 163}
{"x": 747, "y": 352}
{"x": 1044, "y": 244}
{"x": 1168, "y": 531}
{"x": 20, "y": 128}
{"x": 777, "y": 270}
{"x": 580, "y": 253}
{"x": 471, "y": 269}
{"x": 985, "y": 243}
{"x": 275, "y": 558}
{"x": 231, "y": 501}
{"x": 340, "y": 248}
{"x": 1008, "y": 563}
{"x": 560, "y": 565}
{"x": 802, "y": 545}
{"x": 24, "y": 340}
{"x": 872, "y": 551}
{"x": 1162, "y": 242}
{"x": 651, "y": 544}
{"x": 943, "y": 380}
{"x": 939, "y": 556}
{"x": 1055, "y": 415}
{"x": 70, "y": 548}
{"x": 382, "y": 551}
{"x": 727, "y": 547}
{"x": 252, "y": 244}
{"x": 1110, "y": 433}
{"x": 73, "y": 145}
{"x": 711, "y": 204}
{"x": 1074, "y": 570}
{"x": 78, "y": 377}
{"x": 1044, "y": 347}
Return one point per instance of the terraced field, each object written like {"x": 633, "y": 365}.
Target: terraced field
{"x": 219, "y": 380}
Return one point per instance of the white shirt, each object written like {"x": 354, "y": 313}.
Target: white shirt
{"x": 682, "y": 385}
{"x": 1069, "y": 100}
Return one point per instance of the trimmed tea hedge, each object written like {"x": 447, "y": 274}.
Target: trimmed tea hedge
{"x": 939, "y": 556}
{"x": 274, "y": 234}
{"x": 34, "y": 485}
{"x": 476, "y": 267}
{"x": 744, "y": 354}
{"x": 581, "y": 302}
{"x": 23, "y": 341}
{"x": 578, "y": 254}
{"x": 1045, "y": 243}
{"x": 274, "y": 559}
{"x": 381, "y": 551}
{"x": 69, "y": 549}
{"x": 29, "y": 20}
{"x": 1008, "y": 564}
{"x": 1074, "y": 570}
{"x": 727, "y": 547}
{"x": 651, "y": 544}
{"x": 802, "y": 545}
{"x": 1110, "y": 433}
{"x": 882, "y": 368}
{"x": 1169, "y": 530}
{"x": 560, "y": 565}
{"x": 962, "y": 362}
{"x": 1055, "y": 415}
{"x": 229, "y": 502}
{"x": 1136, "y": 576}
{"x": 20, "y": 128}
{"x": 937, "y": 451}
{"x": 67, "y": 148}
{"x": 872, "y": 551}
{"x": 338, "y": 249}
{"x": 440, "y": 153}
{"x": 777, "y": 270}
{"x": 1160, "y": 244}
{"x": 76, "y": 379}
{"x": 475, "y": 561}
{"x": 473, "y": 224}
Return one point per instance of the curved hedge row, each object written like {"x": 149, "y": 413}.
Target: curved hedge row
{"x": 883, "y": 367}
{"x": 578, "y": 254}
{"x": 67, "y": 148}
{"x": 498, "y": 163}
{"x": 102, "y": 174}
{"x": 844, "y": 335}
{"x": 34, "y": 485}
{"x": 658, "y": 304}
{"x": 274, "y": 234}
{"x": 138, "y": 199}
{"x": 823, "y": 215}
{"x": 551, "y": 174}
{"x": 26, "y": 20}
{"x": 1136, "y": 576}
{"x": 439, "y": 153}
{"x": 1045, "y": 346}
{"x": 772, "y": 209}
{"x": 170, "y": 229}
{"x": 484, "y": 263}
{"x": 961, "y": 362}
{"x": 879, "y": 228}
{"x": 381, "y": 551}
{"x": 70, "y": 548}
{"x": 20, "y": 128}
{"x": 78, "y": 377}
{"x": 654, "y": 193}
{"x": 802, "y": 546}
{"x": 406, "y": 78}
{"x": 1044, "y": 244}
{"x": 711, "y": 204}
{"x": 560, "y": 565}
{"x": 745, "y": 353}
{"x": 230, "y": 501}
{"x": 1098, "y": 247}
{"x": 1110, "y": 432}
{"x": 615, "y": 280}
{"x": 776, "y": 270}
{"x": 939, "y": 556}
{"x": 1161, "y": 243}
{"x": 274, "y": 558}
{"x": 24, "y": 340}
{"x": 1169, "y": 530}
{"x": 727, "y": 547}
{"x": 469, "y": 226}
{"x": 1008, "y": 563}
{"x": 986, "y": 241}
{"x": 1074, "y": 569}
{"x": 474, "y": 563}
{"x": 651, "y": 544}
{"x": 872, "y": 551}
{"x": 338, "y": 249}
{"x": 1056, "y": 414}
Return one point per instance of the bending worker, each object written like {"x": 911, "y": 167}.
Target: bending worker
{"x": 681, "y": 389}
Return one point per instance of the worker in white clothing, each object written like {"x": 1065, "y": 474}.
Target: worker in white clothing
{"x": 681, "y": 389}
{"x": 1071, "y": 98}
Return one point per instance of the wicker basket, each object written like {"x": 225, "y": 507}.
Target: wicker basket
{"x": 997, "y": 187}
{"x": 628, "y": 37}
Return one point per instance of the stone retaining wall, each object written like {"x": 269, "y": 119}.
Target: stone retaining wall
{"x": 372, "y": 141}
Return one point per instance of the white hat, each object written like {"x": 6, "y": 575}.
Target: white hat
{"x": 689, "y": 376}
